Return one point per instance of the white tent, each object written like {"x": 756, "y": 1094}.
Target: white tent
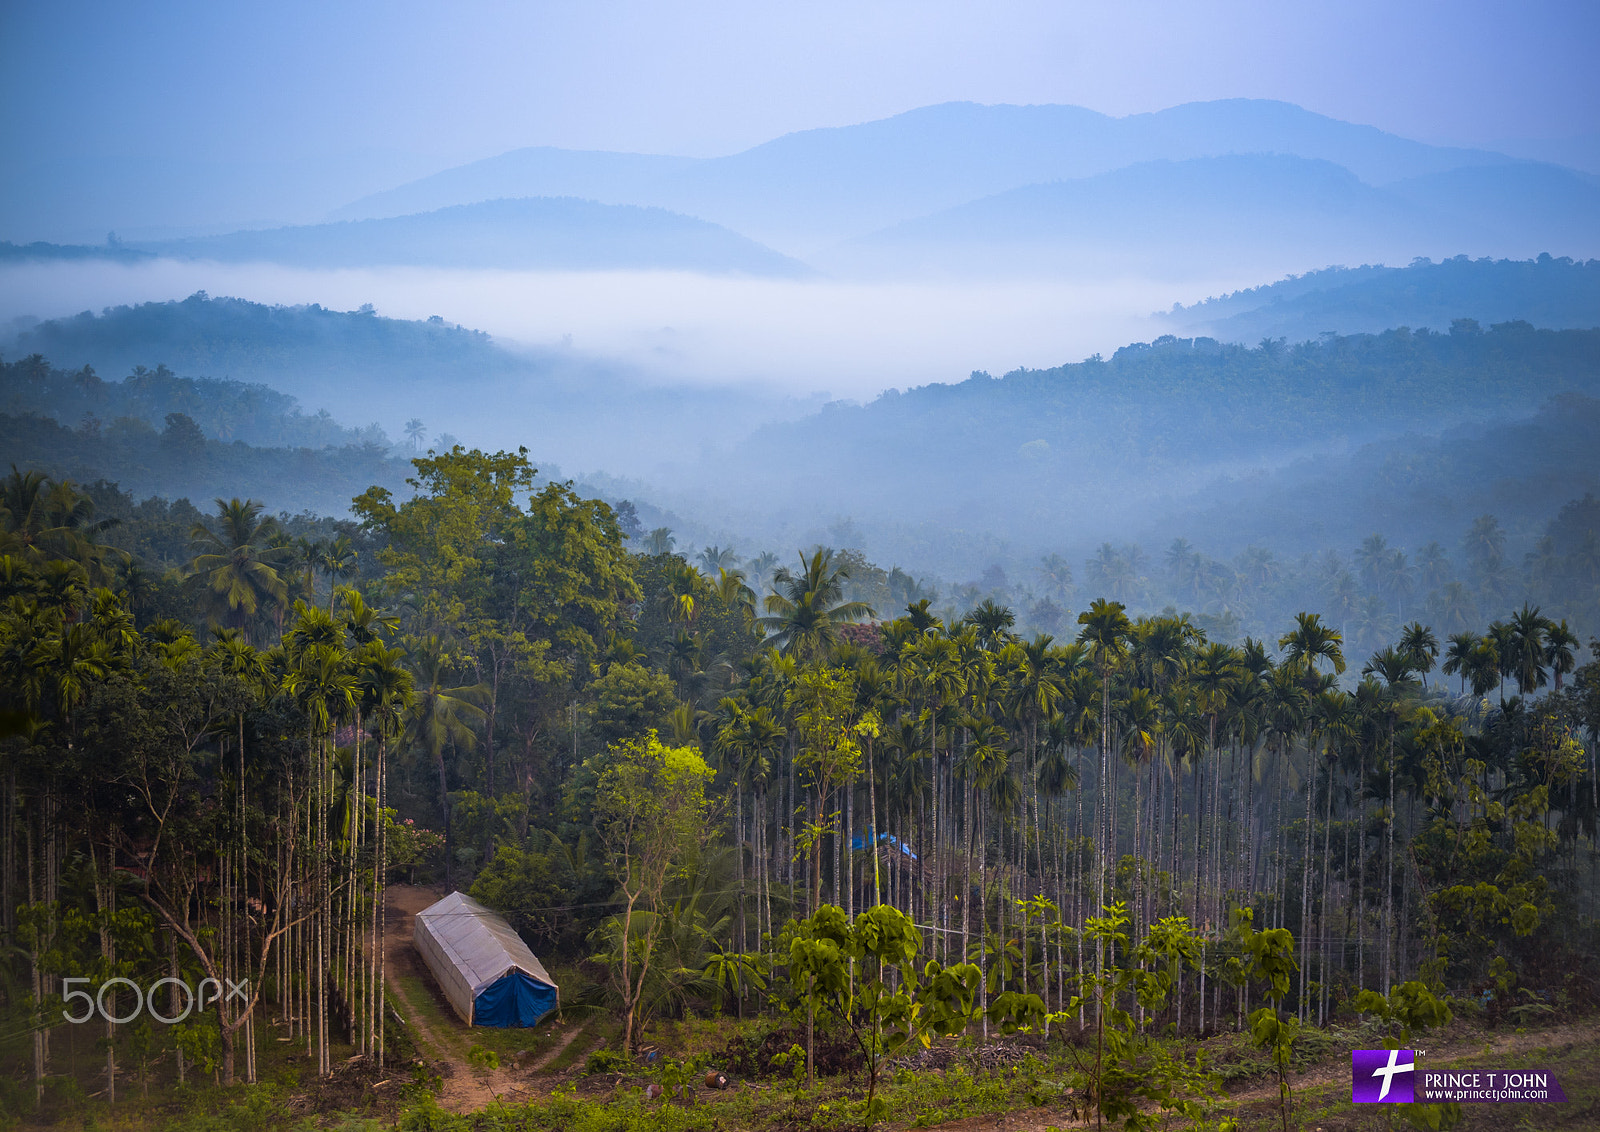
{"x": 482, "y": 965}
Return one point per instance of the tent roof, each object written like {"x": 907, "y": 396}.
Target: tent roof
{"x": 479, "y": 942}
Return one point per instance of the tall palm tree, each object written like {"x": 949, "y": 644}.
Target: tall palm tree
{"x": 1482, "y": 668}
{"x": 1394, "y": 666}
{"x": 806, "y": 608}
{"x": 1560, "y": 644}
{"x": 442, "y": 715}
{"x": 385, "y": 691}
{"x": 415, "y": 432}
{"x": 1369, "y": 559}
{"x": 1458, "y": 656}
{"x": 1418, "y": 642}
{"x": 733, "y": 589}
{"x": 41, "y": 520}
{"x": 660, "y": 541}
{"x": 715, "y": 558}
{"x": 237, "y": 564}
{"x": 1105, "y": 633}
{"x": 1056, "y": 573}
{"x": 1485, "y": 544}
{"x": 683, "y": 594}
{"x": 337, "y": 559}
{"x": 1214, "y": 674}
{"x": 1311, "y": 642}
{"x": 320, "y": 682}
{"x": 992, "y": 621}
{"x": 1527, "y": 653}
{"x": 1433, "y": 566}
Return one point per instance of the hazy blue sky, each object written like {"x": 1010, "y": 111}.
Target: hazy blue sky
{"x": 421, "y": 84}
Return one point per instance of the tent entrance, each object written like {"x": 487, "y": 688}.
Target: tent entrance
{"x": 516, "y": 999}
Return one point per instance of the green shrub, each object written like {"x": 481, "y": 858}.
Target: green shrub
{"x": 607, "y": 1061}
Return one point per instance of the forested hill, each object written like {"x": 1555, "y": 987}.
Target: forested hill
{"x": 1096, "y": 445}
{"x": 235, "y": 338}
{"x": 1547, "y": 292}
{"x": 177, "y": 461}
{"x": 222, "y": 409}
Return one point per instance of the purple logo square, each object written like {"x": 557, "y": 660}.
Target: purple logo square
{"x": 1386, "y": 1075}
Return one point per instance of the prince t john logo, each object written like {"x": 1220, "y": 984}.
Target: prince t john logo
{"x": 1387, "y": 1075}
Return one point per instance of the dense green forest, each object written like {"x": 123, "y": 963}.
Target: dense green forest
{"x": 787, "y": 788}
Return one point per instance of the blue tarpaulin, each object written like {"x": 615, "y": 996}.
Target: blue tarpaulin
{"x": 859, "y": 841}
{"x": 514, "y": 999}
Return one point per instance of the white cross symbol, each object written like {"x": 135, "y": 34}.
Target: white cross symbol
{"x": 1387, "y": 1072}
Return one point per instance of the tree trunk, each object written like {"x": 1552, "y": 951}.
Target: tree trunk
{"x": 1388, "y": 881}
{"x": 872, "y": 816}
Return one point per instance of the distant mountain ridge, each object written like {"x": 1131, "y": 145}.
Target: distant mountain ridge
{"x": 549, "y": 233}
{"x": 1251, "y": 211}
{"x": 1210, "y": 190}
{"x": 813, "y": 187}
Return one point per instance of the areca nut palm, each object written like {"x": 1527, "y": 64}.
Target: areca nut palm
{"x": 1105, "y": 632}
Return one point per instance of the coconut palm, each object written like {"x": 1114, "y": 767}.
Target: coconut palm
{"x": 1056, "y": 574}
{"x": 660, "y": 541}
{"x": 715, "y": 558}
{"x": 1433, "y": 567}
{"x": 1485, "y": 544}
{"x": 442, "y": 715}
{"x": 41, "y": 521}
{"x": 683, "y": 593}
{"x": 806, "y": 608}
{"x": 1482, "y": 668}
{"x": 1453, "y": 606}
{"x": 1370, "y": 557}
{"x": 237, "y": 567}
{"x": 733, "y": 589}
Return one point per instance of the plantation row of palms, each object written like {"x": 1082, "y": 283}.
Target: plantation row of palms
{"x": 225, "y": 795}
{"x": 1183, "y": 775}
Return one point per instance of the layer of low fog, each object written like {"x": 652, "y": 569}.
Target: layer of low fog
{"x": 656, "y": 386}
{"x": 846, "y": 340}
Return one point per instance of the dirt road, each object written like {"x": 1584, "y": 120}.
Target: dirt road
{"x": 466, "y": 1087}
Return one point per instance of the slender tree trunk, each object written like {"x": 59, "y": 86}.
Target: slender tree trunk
{"x": 1322, "y": 918}
{"x": 738, "y": 840}
{"x": 1388, "y": 881}
{"x": 1305, "y": 881}
{"x": 872, "y": 816}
